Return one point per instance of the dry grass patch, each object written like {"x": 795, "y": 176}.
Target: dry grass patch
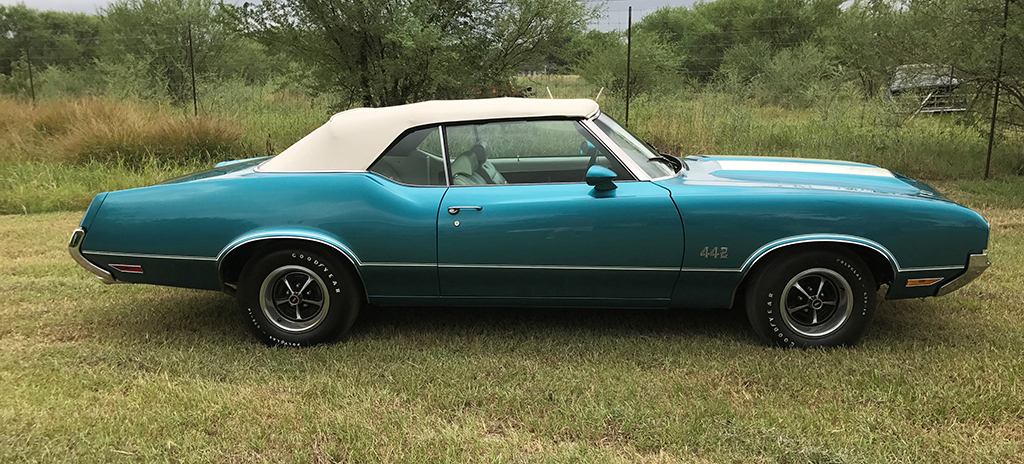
{"x": 98, "y": 129}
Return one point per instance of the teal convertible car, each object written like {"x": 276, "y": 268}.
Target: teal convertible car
{"x": 532, "y": 202}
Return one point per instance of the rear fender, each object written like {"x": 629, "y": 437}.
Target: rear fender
{"x": 298, "y": 235}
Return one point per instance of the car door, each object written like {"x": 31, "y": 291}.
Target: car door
{"x": 546, "y": 234}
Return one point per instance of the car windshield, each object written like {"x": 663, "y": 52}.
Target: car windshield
{"x": 649, "y": 161}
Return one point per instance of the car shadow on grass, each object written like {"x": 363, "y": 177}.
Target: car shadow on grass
{"x": 192, "y": 316}
{"x": 199, "y": 317}
{"x": 379, "y": 321}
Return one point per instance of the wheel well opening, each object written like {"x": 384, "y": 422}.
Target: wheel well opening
{"x": 880, "y": 267}
{"x": 232, "y": 264}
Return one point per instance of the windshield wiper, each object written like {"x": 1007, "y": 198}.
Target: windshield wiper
{"x": 675, "y": 163}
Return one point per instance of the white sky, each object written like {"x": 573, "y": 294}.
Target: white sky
{"x": 615, "y": 10}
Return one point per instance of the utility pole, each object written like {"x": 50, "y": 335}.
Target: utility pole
{"x": 629, "y": 54}
{"x": 999, "y": 77}
{"x": 192, "y": 67}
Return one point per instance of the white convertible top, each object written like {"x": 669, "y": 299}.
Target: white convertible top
{"x": 353, "y": 139}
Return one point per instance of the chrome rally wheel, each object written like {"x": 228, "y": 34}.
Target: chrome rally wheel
{"x": 816, "y": 302}
{"x": 294, "y": 299}
{"x": 298, "y": 297}
{"x": 808, "y": 298}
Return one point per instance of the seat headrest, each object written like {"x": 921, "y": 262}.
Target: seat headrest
{"x": 465, "y": 164}
{"x": 481, "y": 152}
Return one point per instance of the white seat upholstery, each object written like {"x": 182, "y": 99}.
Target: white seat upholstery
{"x": 464, "y": 170}
{"x": 487, "y": 170}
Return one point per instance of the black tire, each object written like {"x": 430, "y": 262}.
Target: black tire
{"x": 298, "y": 298}
{"x": 820, "y": 298}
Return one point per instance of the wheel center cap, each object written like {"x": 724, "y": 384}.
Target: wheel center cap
{"x": 294, "y": 299}
{"x": 816, "y": 304}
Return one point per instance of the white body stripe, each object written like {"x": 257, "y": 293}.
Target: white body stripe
{"x": 791, "y": 166}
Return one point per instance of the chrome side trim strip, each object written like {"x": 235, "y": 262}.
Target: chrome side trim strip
{"x": 813, "y": 238}
{"x": 237, "y": 243}
{"x": 708, "y": 269}
{"x": 555, "y": 267}
{"x": 934, "y": 268}
{"x": 853, "y": 240}
{"x": 976, "y": 264}
{"x": 75, "y": 248}
{"x": 348, "y": 254}
{"x": 399, "y": 264}
{"x": 145, "y": 255}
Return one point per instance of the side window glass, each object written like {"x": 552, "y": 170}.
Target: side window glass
{"x": 414, "y": 160}
{"x": 525, "y": 152}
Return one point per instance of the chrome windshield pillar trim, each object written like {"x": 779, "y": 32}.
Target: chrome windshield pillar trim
{"x": 75, "y": 248}
{"x": 442, "y": 134}
{"x": 608, "y": 143}
{"x": 976, "y": 264}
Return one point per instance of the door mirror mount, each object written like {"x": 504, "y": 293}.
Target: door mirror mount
{"x": 601, "y": 178}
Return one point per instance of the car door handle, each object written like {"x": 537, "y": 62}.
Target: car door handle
{"x": 455, "y": 209}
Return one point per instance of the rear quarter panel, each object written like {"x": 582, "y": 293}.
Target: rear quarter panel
{"x": 178, "y": 231}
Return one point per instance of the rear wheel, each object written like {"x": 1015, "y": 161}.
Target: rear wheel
{"x": 818, "y": 298}
{"x": 298, "y": 298}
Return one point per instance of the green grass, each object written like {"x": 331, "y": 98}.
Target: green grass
{"x": 139, "y": 373}
{"x": 45, "y": 186}
{"x": 46, "y": 150}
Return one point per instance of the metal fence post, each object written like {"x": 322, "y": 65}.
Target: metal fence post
{"x": 31, "y": 80}
{"x": 629, "y": 54}
{"x": 192, "y": 67}
{"x": 999, "y": 77}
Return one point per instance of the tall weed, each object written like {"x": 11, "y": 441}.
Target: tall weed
{"x": 929, "y": 147}
{"x": 96, "y": 129}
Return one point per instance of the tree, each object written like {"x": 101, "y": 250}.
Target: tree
{"x": 146, "y": 46}
{"x": 50, "y": 38}
{"x": 600, "y": 58}
{"x": 390, "y": 52}
{"x": 703, "y": 34}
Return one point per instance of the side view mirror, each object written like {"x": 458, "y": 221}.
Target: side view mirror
{"x": 601, "y": 178}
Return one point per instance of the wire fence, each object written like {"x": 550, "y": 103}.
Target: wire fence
{"x": 27, "y": 65}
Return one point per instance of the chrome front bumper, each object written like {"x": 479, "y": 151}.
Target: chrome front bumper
{"x": 75, "y": 248}
{"x": 976, "y": 264}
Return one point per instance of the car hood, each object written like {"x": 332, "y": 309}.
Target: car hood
{"x": 799, "y": 173}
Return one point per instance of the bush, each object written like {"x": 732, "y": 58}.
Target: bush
{"x": 795, "y": 78}
{"x": 654, "y": 68}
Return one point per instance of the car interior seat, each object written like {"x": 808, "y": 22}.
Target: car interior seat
{"x": 464, "y": 170}
{"x": 487, "y": 169}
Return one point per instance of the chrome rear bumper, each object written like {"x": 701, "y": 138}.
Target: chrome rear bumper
{"x": 976, "y": 264}
{"x": 75, "y": 248}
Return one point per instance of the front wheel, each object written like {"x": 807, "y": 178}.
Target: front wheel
{"x": 820, "y": 298}
{"x": 297, "y": 298}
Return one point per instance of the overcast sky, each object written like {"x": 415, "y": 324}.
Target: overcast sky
{"x": 615, "y": 10}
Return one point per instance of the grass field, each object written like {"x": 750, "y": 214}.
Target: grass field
{"x": 56, "y": 156}
{"x": 94, "y": 373}
{"x": 140, "y": 374}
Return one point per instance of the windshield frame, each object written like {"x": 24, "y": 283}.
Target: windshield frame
{"x": 636, "y": 149}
